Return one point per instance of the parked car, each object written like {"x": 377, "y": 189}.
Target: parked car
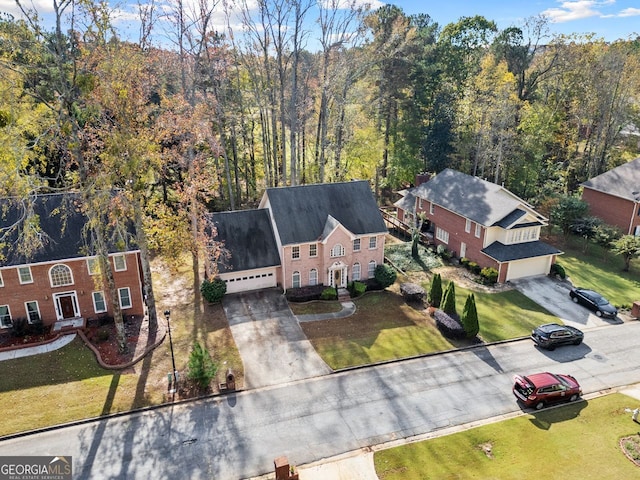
{"x": 594, "y": 301}
{"x": 552, "y": 335}
{"x": 542, "y": 389}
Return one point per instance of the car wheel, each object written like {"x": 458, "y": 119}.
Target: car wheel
{"x": 575, "y": 299}
{"x": 539, "y": 405}
{"x": 577, "y": 342}
{"x": 574, "y": 397}
{"x": 598, "y": 313}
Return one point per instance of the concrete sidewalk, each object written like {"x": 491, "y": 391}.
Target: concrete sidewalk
{"x": 37, "y": 349}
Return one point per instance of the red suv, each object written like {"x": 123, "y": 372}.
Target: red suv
{"x": 541, "y": 389}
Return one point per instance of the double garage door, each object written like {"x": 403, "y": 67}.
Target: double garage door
{"x": 528, "y": 268}
{"x": 250, "y": 280}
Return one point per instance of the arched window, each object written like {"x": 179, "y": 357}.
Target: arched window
{"x": 372, "y": 268}
{"x": 296, "y": 279}
{"x": 355, "y": 272}
{"x": 337, "y": 250}
{"x": 313, "y": 277}
{"x": 60, "y": 275}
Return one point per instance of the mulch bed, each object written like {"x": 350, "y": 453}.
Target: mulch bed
{"x": 105, "y": 339}
{"x": 8, "y": 340}
{"x": 631, "y": 448}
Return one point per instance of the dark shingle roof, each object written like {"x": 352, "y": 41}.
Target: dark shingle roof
{"x": 301, "y": 212}
{"x": 471, "y": 197}
{"x": 622, "y": 181}
{"x": 248, "y": 238}
{"x": 61, "y": 226}
{"x": 519, "y": 251}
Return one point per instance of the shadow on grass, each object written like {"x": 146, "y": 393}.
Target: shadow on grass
{"x": 545, "y": 419}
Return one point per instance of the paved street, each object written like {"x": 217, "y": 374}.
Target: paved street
{"x": 238, "y": 436}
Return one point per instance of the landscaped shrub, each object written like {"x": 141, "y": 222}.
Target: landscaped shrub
{"x": 102, "y": 334}
{"x": 464, "y": 261}
{"x": 372, "y": 284}
{"x": 305, "y": 294}
{"x": 449, "y": 325}
{"x": 412, "y": 292}
{"x": 329, "y": 293}
{"x": 385, "y": 275}
{"x": 442, "y": 252}
{"x": 202, "y": 369}
{"x": 489, "y": 275}
{"x": 449, "y": 299}
{"x": 557, "y": 269}
{"x": 435, "y": 292}
{"x": 356, "y": 288}
{"x": 469, "y": 318}
{"x": 473, "y": 267}
{"x": 20, "y": 327}
{"x": 213, "y": 291}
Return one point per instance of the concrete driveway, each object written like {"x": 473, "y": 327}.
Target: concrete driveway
{"x": 554, "y": 296}
{"x": 273, "y": 347}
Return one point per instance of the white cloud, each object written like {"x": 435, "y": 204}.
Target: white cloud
{"x": 630, "y": 12}
{"x": 41, "y": 6}
{"x": 570, "y": 10}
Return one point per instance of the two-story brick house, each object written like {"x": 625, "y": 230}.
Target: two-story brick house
{"x": 614, "y": 196}
{"x": 60, "y": 281}
{"x": 321, "y": 234}
{"x": 481, "y": 221}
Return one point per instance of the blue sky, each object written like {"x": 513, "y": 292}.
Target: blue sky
{"x": 608, "y": 19}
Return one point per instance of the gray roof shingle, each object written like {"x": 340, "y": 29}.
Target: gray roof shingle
{"x": 300, "y": 213}
{"x": 248, "y": 238}
{"x": 622, "y": 181}
{"x": 518, "y": 251}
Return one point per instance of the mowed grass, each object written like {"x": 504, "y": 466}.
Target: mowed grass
{"x": 68, "y": 384}
{"x": 384, "y": 327}
{"x": 602, "y": 271}
{"x": 579, "y": 440}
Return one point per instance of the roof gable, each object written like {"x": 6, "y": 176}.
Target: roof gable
{"x": 301, "y": 212}
{"x": 248, "y": 240}
{"x": 622, "y": 181}
{"x": 471, "y": 197}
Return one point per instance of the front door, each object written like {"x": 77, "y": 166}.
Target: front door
{"x": 337, "y": 278}
{"x": 66, "y": 306}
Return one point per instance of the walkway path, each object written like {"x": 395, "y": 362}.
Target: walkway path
{"x": 35, "y": 350}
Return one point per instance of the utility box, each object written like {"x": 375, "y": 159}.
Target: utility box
{"x": 281, "y": 464}
{"x": 635, "y": 310}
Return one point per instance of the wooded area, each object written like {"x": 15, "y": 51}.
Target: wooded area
{"x": 293, "y": 92}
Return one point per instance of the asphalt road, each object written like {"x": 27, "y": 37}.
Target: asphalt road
{"x": 238, "y": 436}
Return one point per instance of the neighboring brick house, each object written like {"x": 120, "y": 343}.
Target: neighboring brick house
{"x": 481, "y": 221}
{"x": 59, "y": 282}
{"x": 614, "y": 196}
{"x": 322, "y": 234}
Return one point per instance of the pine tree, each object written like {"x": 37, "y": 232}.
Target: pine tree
{"x": 470, "y": 317}
{"x": 449, "y": 300}
{"x": 202, "y": 368}
{"x": 435, "y": 292}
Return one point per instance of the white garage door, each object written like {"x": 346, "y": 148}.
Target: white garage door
{"x": 528, "y": 268}
{"x": 250, "y": 280}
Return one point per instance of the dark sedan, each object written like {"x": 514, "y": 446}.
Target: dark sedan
{"x": 552, "y": 335}
{"x": 593, "y": 301}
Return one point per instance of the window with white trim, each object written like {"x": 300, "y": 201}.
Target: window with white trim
{"x": 373, "y": 243}
{"x": 420, "y": 203}
{"x": 442, "y": 235}
{"x": 1, "y": 281}
{"x": 313, "y": 277}
{"x": 5, "y": 316}
{"x": 478, "y": 230}
{"x": 467, "y": 226}
{"x": 356, "y": 244}
{"x": 119, "y": 263}
{"x": 355, "y": 272}
{"x": 124, "y": 295}
{"x": 295, "y": 252}
{"x": 93, "y": 266}
{"x": 431, "y": 208}
{"x": 33, "y": 312}
{"x": 60, "y": 275}
{"x": 24, "y": 273}
{"x": 295, "y": 280}
{"x": 372, "y": 268}
{"x": 99, "y": 303}
{"x": 337, "y": 251}
{"x": 313, "y": 250}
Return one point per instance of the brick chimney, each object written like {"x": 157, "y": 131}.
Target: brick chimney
{"x": 422, "y": 178}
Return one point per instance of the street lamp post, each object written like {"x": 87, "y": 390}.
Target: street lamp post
{"x": 167, "y": 314}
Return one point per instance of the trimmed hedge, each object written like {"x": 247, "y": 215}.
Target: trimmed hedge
{"x": 449, "y": 325}
{"x": 356, "y": 288}
{"x": 329, "y": 293}
{"x": 305, "y": 294}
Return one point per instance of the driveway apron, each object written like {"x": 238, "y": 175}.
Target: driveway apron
{"x": 554, "y": 296}
{"x": 273, "y": 347}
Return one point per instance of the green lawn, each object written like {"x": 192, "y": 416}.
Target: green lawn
{"x": 580, "y": 440}
{"x": 601, "y": 271}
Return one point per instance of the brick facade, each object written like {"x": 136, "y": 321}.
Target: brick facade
{"x": 613, "y": 210}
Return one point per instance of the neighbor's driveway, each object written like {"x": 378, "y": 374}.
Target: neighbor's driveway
{"x": 273, "y": 347}
{"x": 554, "y": 296}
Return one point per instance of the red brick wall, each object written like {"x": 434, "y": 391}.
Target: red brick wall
{"x": 613, "y": 210}
{"x": 15, "y": 294}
